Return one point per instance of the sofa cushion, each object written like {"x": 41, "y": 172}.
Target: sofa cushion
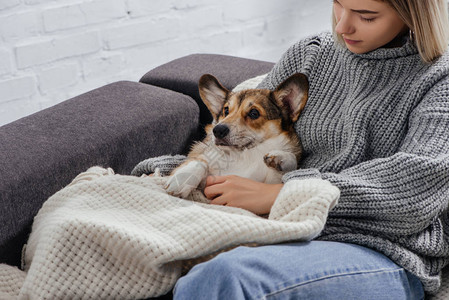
{"x": 115, "y": 126}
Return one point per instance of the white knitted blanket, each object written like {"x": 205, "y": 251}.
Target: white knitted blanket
{"x": 108, "y": 236}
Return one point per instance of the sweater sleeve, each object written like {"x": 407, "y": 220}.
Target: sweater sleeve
{"x": 165, "y": 163}
{"x": 404, "y": 193}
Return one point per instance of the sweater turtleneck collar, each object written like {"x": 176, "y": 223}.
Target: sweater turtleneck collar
{"x": 407, "y": 49}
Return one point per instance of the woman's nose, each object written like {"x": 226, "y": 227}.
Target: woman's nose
{"x": 344, "y": 25}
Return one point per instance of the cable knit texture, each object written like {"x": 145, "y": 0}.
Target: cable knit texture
{"x": 165, "y": 164}
{"x": 376, "y": 125}
{"x": 109, "y": 236}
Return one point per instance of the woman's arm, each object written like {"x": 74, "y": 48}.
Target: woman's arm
{"x": 404, "y": 193}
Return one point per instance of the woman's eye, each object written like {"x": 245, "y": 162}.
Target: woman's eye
{"x": 226, "y": 111}
{"x": 367, "y": 19}
{"x": 254, "y": 114}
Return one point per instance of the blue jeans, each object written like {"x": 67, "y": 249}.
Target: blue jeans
{"x": 309, "y": 270}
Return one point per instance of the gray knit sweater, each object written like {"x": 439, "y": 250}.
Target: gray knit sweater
{"x": 377, "y": 126}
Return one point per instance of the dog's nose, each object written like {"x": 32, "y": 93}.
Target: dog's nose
{"x": 220, "y": 131}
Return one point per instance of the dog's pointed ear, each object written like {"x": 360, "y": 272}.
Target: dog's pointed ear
{"x": 213, "y": 94}
{"x": 292, "y": 95}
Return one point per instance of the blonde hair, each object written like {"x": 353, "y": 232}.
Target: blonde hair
{"x": 428, "y": 23}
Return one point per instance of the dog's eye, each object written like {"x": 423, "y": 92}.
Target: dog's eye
{"x": 226, "y": 111}
{"x": 254, "y": 114}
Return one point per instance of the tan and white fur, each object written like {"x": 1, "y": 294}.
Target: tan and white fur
{"x": 252, "y": 134}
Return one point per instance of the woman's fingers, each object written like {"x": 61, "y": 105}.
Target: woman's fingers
{"x": 219, "y": 201}
{"x": 212, "y": 192}
{"x": 213, "y": 187}
{"x": 211, "y": 180}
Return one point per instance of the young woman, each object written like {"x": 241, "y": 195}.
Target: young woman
{"x": 376, "y": 125}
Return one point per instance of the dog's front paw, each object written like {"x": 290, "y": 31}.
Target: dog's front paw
{"x": 186, "y": 179}
{"x": 281, "y": 161}
{"x": 273, "y": 162}
{"x": 180, "y": 185}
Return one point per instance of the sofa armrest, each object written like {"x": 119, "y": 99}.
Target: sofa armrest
{"x": 182, "y": 75}
{"x": 114, "y": 126}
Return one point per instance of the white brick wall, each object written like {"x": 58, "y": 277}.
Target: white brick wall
{"x": 53, "y": 50}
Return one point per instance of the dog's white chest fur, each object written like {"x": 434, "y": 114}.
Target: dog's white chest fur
{"x": 246, "y": 163}
{"x": 264, "y": 163}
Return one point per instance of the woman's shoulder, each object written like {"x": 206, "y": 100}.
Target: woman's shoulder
{"x": 442, "y": 62}
{"x": 308, "y": 48}
{"x": 299, "y": 57}
{"x": 437, "y": 71}
{"x": 320, "y": 40}
{"x": 433, "y": 83}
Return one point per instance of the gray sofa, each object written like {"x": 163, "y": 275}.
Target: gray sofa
{"x": 117, "y": 126}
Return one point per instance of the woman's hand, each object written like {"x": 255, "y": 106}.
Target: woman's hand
{"x": 242, "y": 192}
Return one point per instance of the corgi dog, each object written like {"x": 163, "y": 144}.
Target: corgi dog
{"x": 252, "y": 135}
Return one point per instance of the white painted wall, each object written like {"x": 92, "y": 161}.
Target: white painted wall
{"x": 53, "y": 50}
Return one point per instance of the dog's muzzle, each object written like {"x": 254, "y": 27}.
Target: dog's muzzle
{"x": 221, "y": 131}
